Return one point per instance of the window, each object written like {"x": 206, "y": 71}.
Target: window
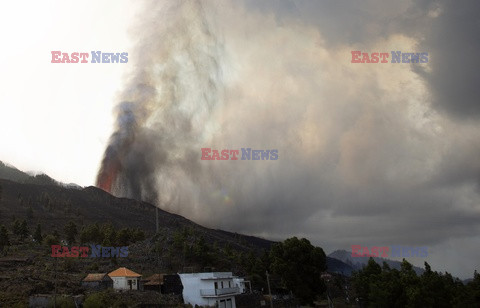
{"x": 222, "y": 284}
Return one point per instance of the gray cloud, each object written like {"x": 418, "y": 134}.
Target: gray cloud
{"x": 453, "y": 41}
{"x": 347, "y": 22}
{"x": 448, "y": 31}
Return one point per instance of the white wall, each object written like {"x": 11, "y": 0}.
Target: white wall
{"x": 121, "y": 283}
{"x": 240, "y": 282}
{"x": 194, "y": 283}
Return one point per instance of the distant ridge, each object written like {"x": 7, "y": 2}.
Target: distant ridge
{"x": 358, "y": 263}
{"x": 339, "y": 267}
{"x": 9, "y": 172}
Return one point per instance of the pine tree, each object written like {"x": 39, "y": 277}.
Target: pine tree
{"x": 20, "y": 228}
{"x": 138, "y": 235}
{"x": 37, "y": 236}
{"x": 29, "y": 213}
{"x": 299, "y": 264}
{"x": 71, "y": 232}
{"x": 23, "y": 232}
{"x": 16, "y": 226}
{"x": 123, "y": 237}
{"x": 51, "y": 240}
{"x": 84, "y": 236}
{"x": 4, "y": 240}
{"x": 109, "y": 235}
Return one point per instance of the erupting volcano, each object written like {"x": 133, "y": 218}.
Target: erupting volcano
{"x": 165, "y": 106}
{"x": 106, "y": 177}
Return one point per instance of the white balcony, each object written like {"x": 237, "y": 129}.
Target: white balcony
{"x": 219, "y": 292}
{"x": 216, "y": 275}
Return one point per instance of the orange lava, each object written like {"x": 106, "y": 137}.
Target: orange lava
{"x": 107, "y": 176}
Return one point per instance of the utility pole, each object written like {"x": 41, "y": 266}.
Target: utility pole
{"x": 156, "y": 218}
{"x": 55, "y": 282}
{"x": 157, "y": 245}
{"x": 269, "y": 291}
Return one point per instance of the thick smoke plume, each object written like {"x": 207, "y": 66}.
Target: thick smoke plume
{"x": 165, "y": 108}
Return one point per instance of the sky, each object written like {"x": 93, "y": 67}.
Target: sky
{"x": 371, "y": 154}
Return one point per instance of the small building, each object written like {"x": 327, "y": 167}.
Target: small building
{"x": 210, "y": 289}
{"x": 152, "y": 283}
{"x": 125, "y": 279}
{"x": 98, "y": 281}
{"x": 164, "y": 283}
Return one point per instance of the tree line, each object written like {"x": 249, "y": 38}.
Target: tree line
{"x": 382, "y": 286}
{"x": 105, "y": 234}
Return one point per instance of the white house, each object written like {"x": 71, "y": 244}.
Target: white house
{"x": 125, "y": 279}
{"x": 210, "y": 289}
{"x": 241, "y": 283}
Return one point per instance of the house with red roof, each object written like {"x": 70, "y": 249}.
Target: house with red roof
{"x": 125, "y": 279}
{"x": 97, "y": 281}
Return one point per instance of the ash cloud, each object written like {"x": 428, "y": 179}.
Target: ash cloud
{"x": 446, "y": 30}
{"x": 454, "y": 39}
{"x": 165, "y": 105}
{"x": 368, "y": 154}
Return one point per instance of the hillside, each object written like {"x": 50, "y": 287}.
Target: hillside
{"x": 11, "y": 173}
{"x": 53, "y": 206}
{"x": 180, "y": 245}
{"x": 358, "y": 263}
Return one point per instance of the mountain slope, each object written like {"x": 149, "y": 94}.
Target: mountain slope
{"x": 13, "y": 174}
{"x": 358, "y": 263}
{"x": 54, "y": 206}
{"x": 339, "y": 267}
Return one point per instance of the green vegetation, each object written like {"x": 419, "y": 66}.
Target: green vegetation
{"x": 107, "y": 235}
{"x": 299, "y": 264}
{"x": 20, "y": 228}
{"x": 37, "y": 235}
{"x": 62, "y": 302}
{"x": 4, "y": 238}
{"x": 385, "y": 287}
{"x": 100, "y": 299}
{"x": 109, "y": 298}
{"x": 50, "y": 240}
{"x": 70, "y": 232}
{"x": 30, "y": 213}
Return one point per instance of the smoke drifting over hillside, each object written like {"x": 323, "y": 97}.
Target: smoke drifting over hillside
{"x": 368, "y": 154}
